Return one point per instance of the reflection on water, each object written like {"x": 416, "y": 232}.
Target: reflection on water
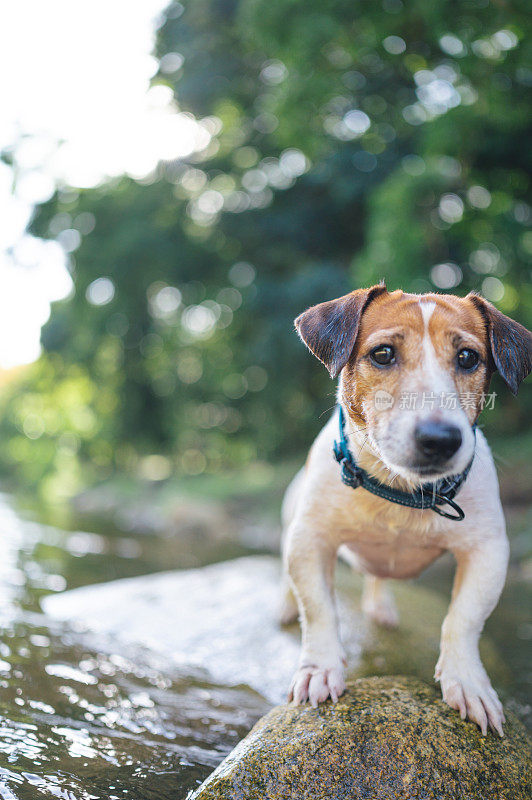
{"x": 75, "y": 723}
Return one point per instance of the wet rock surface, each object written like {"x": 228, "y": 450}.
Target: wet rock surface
{"x": 386, "y": 738}
{"x": 222, "y": 619}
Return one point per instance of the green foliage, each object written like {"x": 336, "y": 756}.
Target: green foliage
{"x": 350, "y": 141}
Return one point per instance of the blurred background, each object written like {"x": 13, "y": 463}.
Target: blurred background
{"x": 177, "y": 183}
{"x": 172, "y": 212}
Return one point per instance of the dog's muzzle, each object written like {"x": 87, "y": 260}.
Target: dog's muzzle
{"x": 436, "y": 442}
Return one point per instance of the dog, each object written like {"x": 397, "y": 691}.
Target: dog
{"x": 409, "y": 461}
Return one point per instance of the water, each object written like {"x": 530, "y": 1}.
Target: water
{"x": 78, "y": 723}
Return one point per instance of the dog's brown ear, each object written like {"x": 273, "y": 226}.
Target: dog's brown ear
{"x": 330, "y": 329}
{"x": 510, "y": 343}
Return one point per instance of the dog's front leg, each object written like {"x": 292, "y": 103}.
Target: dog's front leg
{"x": 479, "y": 580}
{"x": 310, "y": 561}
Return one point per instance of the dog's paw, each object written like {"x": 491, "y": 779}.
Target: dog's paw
{"x": 470, "y": 692}
{"x": 316, "y": 684}
{"x": 381, "y": 610}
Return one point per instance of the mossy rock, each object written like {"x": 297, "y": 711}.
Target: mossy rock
{"x": 387, "y": 738}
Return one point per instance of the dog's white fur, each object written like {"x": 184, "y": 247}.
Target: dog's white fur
{"x": 322, "y": 515}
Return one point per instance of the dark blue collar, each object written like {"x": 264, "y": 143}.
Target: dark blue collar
{"x": 429, "y": 495}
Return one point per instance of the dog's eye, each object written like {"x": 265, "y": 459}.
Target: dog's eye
{"x": 467, "y": 359}
{"x": 383, "y": 355}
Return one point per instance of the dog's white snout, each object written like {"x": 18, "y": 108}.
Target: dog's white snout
{"x": 417, "y": 445}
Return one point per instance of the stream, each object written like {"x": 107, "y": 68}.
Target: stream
{"x": 76, "y": 723}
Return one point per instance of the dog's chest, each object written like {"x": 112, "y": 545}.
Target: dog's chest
{"x": 388, "y": 548}
{"x": 388, "y": 560}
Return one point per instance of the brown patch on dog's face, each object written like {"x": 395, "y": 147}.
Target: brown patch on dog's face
{"x": 396, "y": 320}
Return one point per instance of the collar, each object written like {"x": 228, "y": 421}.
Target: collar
{"x": 429, "y": 495}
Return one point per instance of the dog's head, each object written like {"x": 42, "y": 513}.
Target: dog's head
{"x": 415, "y": 370}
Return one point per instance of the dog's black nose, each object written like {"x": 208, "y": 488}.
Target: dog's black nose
{"x": 437, "y": 441}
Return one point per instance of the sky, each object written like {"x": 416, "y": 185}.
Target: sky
{"x": 76, "y": 107}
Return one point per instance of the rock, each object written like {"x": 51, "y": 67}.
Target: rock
{"x": 386, "y": 738}
{"x": 223, "y": 620}
{"x": 197, "y": 523}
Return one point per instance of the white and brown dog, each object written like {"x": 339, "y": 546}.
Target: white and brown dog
{"x": 399, "y": 344}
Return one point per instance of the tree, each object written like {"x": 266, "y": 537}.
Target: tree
{"x": 349, "y": 142}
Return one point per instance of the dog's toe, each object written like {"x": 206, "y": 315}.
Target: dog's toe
{"x": 316, "y": 685}
{"x": 300, "y": 685}
{"x": 473, "y": 696}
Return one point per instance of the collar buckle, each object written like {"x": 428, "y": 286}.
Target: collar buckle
{"x": 439, "y": 501}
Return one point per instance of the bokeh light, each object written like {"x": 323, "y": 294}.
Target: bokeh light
{"x": 84, "y": 120}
